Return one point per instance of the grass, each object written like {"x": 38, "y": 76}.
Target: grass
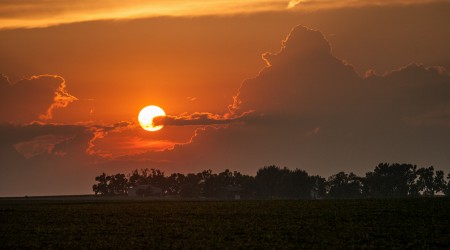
{"x": 408, "y": 223}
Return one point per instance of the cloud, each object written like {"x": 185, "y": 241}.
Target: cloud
{"x": 60, "y": 100}
{"x": 316, "y": 113}
{"x": 100, "y": 132}
{"x": 42, "y": 159}
{"x": 37, "y": 139}
{"x": 34, "y": 98}
{"x": 200, "y": 119}
{"x": 414, "y": 94}
{"x": 30, "y": 13}
{"x": 330, "y": 4}
{"x": 297, "y": 79}
{"x": 38, "y": 154}
{"x": 304, "y": 80}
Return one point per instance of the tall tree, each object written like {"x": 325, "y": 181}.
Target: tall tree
{"x": 389, "y": 180}
{"x": 430, "y": 182}
{"x": 342, "y": 185}
{"x": 102, "y": 186}
{"x": 447, "y": 189}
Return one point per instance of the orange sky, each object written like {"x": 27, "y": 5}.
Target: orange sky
{"x": 76, "y": 74}
{"x": 29, "y": 13}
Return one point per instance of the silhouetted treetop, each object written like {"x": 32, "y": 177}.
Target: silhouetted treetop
{"x": 386, "y": 180}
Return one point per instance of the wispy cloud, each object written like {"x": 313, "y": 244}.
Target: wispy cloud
{"x": 329, "y": 4}
{"x": 99, "y": 132}
{"x": 200, "y": 118}
{"x": 30, "y": 13}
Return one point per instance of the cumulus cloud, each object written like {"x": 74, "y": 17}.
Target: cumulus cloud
{"x": 297, "y": 79}
{"x": 34, "y": 98}
{"x": 316, "y": 113}
{"x": 305, "y": 80}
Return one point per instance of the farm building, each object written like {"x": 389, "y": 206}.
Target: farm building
{"x": 232, "y": 193}
{"x": 144, "y": 190}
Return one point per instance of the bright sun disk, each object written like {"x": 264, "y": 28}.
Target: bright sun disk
{"x": 146, "y": 116}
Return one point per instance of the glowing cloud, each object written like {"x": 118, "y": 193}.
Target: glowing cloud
{"x": 201, "y": 118}
{"x": 33, "y": 98}
{"x": 61, "y": 99}
{"x": 293, "y": 3}
{"x": 329, "y": 4}
{"x": 29, "y": 13}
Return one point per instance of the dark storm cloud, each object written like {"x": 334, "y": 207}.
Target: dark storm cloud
{"x": 31, "y": 99}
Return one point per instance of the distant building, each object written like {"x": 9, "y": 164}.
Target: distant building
{"x": 232, "y": 192}
{"x": 144, "y": 190}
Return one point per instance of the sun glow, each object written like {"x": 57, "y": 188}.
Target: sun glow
{"x": 146, "y": 117}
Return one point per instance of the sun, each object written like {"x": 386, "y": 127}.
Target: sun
{"x": 146, "y": 116}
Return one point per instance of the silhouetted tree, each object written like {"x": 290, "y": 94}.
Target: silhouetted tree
{"x": 102, "y": 186}
{"x": 191, "y": 186}
{"x": 447, "y": 189}
{"x": 439, "y": 182}
{"x": 430, "y": 182}
{"x": 134, "y": 178}
{"x": 246, "y": 183}
{"x": 111, "y": 184}
{"x": 273, "y": 181}
{"x": 294, "y": 184}
{"x": 268, "y": 180}
{"x": 118, "y": 184}
{"x": 174, "y": 182}
{"x": 319, "y": 187}
{"x": 389, "y": 180}
{"x": 342, "y": 185}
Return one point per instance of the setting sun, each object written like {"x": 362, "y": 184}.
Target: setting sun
{"x": 146, "y": 117}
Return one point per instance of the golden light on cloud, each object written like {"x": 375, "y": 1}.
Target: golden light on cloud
{"x": 29, "y": 13}
{"x": 147, "y": 115}
{"x": 293, "y": 3}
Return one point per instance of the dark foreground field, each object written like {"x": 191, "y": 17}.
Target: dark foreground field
{"x": 58, "y": 224}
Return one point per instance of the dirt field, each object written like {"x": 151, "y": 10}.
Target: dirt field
{"x": 90, "y": 222}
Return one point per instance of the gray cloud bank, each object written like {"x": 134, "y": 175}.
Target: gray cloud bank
{"x": 316, "y": 113}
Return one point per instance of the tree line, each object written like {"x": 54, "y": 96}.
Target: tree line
{"x": 386, "y": 180}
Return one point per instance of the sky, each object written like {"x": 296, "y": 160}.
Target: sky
{"x": 323, "y": 86}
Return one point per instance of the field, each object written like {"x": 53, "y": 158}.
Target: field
{"x": 115, "y": 223}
